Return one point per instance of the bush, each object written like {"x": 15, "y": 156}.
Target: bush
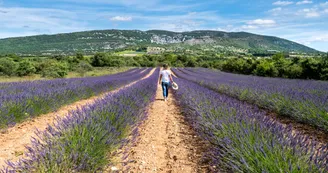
{"x": 178, "y": 63}
{"x": 99, "y": 60}
{"x": 191, "y": 63}
{"x": 294, "y": 71}
{"x": 55, "y": 70}
{"x": 265, "y": 68}
{"x": 310, "y": 68}
{"x": 25, "y": 68}
{"x": 59, "y": 57}
{"x": 116, "y": 62}
{"x": 8, "y": 66}
{"x": 83, "y": 67}
{"x": 131, "y": 62}
{"x": 79, "y": 56}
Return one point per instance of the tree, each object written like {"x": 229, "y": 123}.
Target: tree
{"x": 294, "y": 71}
{"x": 83, "y": 67}
{"x": 205, "y": 64}
{"x": 324, "y": 68}
{"x": 236, "y": 65}
{"x": 281, "y": 65}
{"x": 99, "y": 60}
{"x": 14, "y": 57}
{"x": 80, "y": 56}
{"x": 191, "y": 63}
{"x": 116, "y": 62}
{"x": 131, "y": 62}
{"x": 55, "y": 70}
{"x": 178, "y": 63}
{"x": 25, "y": 68}
{"x": 170, "y": 58}
{"x": 8, "y": 66}
{"x": 265, "y": 68}
{"x": 310, "y": 68}
{"x": 59, "y": 57}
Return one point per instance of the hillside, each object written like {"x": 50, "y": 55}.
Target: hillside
{"x": 106, "y": 40}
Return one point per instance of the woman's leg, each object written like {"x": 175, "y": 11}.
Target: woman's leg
{"x": 167, "y": 89}
{"x": 164, "y": 89}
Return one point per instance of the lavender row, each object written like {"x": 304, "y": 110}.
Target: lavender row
{"x": 82, "y": 141}
{"x": 243, "y": 139}
{"x": 304, "y": 101}
{"x": 22, "y": 100}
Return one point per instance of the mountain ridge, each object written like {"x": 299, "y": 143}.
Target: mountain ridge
{"x": 108, "y": 40}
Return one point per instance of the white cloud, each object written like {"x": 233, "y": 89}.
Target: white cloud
{"x": 178, "y": 25}
{"x": 121, "y": 18}
{"x": 33, "y": 21}
{"x": 324, "y": 4}
{"x": 258, "y": 23}
{"x": 283, "y": 3}
{"x": 309, "y": 13}
{"x": 312, "y": 14}
{"x": 304, "y": 2}
{"x": 229, "y": 28}
{"x": 249, "y": 27}
{"x": 326, "y": 11}
{"x": 319, "y": 38}
{"x": 119, "y": 2}
{"x": 143, "y": 5}
{"x": 275, "y": 10}
{"x": 312, "y": 38}
{"x": 261, "y": 22}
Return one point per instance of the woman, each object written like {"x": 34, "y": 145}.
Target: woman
{"x": 165, "y": 78}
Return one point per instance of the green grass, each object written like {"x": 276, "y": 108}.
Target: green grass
{"x": 130, "y": 53}
{"x": 98, "y": 71}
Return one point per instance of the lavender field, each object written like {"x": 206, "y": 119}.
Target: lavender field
{"x": 22, "y": 100}
{"x": 242, "y": 138}
{"x": 80, "y": 142}
{"x": 228, "y": 112}
{"x": 306, "y": 101}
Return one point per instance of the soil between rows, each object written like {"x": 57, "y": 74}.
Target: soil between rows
{"x": 166, "y": 143}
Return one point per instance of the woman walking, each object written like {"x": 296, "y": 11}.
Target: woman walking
{"x": 165, "y": 78}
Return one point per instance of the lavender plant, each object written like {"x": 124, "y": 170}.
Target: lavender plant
{"x": 303, "y": 100}
{"x": 82, "y": 141}
{"x": 22, "y": 100}
{"x": 243, "y": 139}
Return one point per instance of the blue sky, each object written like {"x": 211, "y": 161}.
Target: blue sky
{"x": 303, "y": 21}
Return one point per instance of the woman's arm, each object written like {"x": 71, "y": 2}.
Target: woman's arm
{"x": 160, "y": 79}
{"x": 171, "y": 78}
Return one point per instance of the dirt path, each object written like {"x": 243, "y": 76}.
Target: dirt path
{"x": 14, "y": 140}
{"x": 165, "y": 143}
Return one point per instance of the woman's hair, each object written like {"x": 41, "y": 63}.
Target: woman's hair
{"x": 165, "y": 66}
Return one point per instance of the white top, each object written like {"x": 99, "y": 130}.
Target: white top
{"x": 165, "y": 75}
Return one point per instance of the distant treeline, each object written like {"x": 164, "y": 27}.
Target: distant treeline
{"x": 278, "y": 65}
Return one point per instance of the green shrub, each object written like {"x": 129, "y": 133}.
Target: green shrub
{"x": 294, "y": 71}
{"x": 83, "y": 67}
{"x": 26, "y": 67}
{"x": 267, "y": 69}
{"x": 8, "y": 66}
{"x": 99, "y": 60}
{"x": 55, "y": 70}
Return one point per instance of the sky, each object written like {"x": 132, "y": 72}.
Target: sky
{"x": 302, "y": 21}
